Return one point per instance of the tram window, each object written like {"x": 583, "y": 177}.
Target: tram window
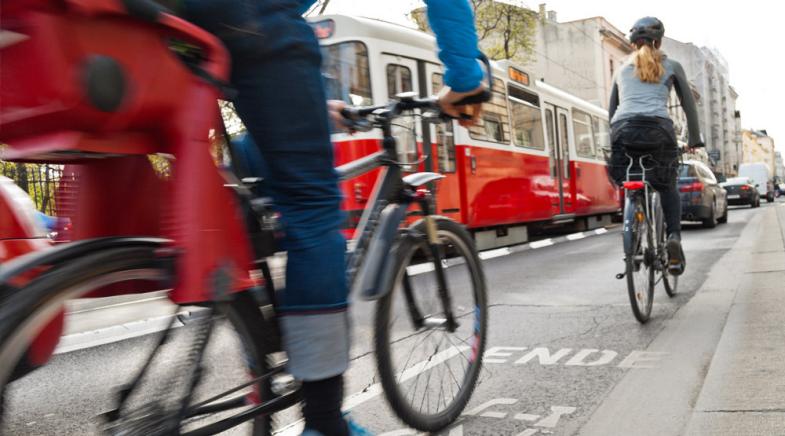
{"x": 493, "y": 128}
{"x": 602, "y": 137}
{"x": 494, "y": 124}
{"x": 526, "y": 119}
{"x": 582, "y": 131}
{"x": 445, "y": 141}
{"x": 399, "y": 79}
{"x": 346, "y": 73}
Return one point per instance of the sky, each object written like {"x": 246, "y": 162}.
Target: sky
{"x": 747, "y": 34}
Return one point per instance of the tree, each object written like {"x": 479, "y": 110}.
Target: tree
{"x": 505, "y": 29}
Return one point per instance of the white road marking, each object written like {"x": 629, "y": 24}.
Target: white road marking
{"x": 528, "y": 432}
{"x": 556, "y": 413}
{"x": 421, "y": 268}
{"x": 490, "y": 254}
{"x": 540, "y": 244}
{"x": 526, "y": 417}
{"x": 576, "y": 236}
{"x": 488, "y": 404}
{"x": 601, "y": 231}
{"x": 375, "y": 390}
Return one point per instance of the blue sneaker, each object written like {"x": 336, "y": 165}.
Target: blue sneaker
{"x": 356, "y": 429}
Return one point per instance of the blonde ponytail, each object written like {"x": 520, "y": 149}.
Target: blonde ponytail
{"x": 648, "y": 64}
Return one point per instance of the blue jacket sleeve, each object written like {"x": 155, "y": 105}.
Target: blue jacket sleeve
{"x": 453, "y": 23}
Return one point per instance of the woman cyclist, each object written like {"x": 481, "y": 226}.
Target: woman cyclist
{"x": 276, "y": 72}
{"x": 639, "y": 121}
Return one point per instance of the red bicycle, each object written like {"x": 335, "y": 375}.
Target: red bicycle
{"x": 100, "y": 85}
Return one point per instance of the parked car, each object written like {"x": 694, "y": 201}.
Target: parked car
{"x": 742, "y": 190}
{"x": 759, "y": 173}
{"x": 702, "y": 198}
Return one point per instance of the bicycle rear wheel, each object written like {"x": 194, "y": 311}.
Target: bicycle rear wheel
{"x": 237, "y": 354}
{"x": 428, "y": 372}
{"x": 640, "y": 263}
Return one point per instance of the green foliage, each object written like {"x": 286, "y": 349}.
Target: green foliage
{"x": 38, "y": 180}
{"x": 505, "y": 29}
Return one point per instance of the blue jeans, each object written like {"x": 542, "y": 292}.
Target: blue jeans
{"x": 281, "y": 99}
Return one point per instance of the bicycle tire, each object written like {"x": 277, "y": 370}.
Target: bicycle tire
{"x": 640, "y": 264}
{"x": 48, "y": 292}
{"x": 410, "y": 244}
{"x": 669, "y": 281}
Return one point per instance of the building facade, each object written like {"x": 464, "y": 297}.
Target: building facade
{"x": 758, "y": 146}
{"x": 779, "y": 167}
{"x": 580, "y": 56}
{"x": 719, "y": 120}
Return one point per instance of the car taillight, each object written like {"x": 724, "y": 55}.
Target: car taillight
{"x": 692, "y": 187}
{"x": 745, "y": 188}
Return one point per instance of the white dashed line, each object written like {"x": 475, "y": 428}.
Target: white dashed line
{"x": 540, "y": 244}
{"x": 575, "y": 236}
{"x": 601, "y": 231}
{"x": 420, "y": 268}
{"x": 490, "y": 254}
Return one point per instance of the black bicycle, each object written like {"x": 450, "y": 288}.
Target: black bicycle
{"x": 430, "y": 322}
{"x": 645, "y": 255}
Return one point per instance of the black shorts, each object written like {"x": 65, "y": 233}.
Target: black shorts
{"x": 644, "y": 136}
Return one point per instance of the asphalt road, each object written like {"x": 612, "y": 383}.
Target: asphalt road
{"x": 561, "y": 336}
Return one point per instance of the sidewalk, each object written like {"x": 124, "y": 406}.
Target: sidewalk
{"x": 744, "y": 390}
{"x": 723, "y": 370}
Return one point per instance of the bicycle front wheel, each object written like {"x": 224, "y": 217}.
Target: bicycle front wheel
{"x": 640, "y": 264}
{"x": 429, "y": 370}
{"x": 233, "y": 352}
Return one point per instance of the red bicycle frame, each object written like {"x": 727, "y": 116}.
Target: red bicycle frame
{"x": 94, "y": 84}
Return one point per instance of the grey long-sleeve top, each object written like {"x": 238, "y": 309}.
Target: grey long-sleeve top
{"x": 632, "y": 97}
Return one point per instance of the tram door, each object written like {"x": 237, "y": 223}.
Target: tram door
{"x": 400, "y": 75}
{"x": 557, "y": 129}
{"x": 448, "y": 198}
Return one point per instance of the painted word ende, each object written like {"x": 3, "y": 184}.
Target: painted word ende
{"x": 583, "y": 357}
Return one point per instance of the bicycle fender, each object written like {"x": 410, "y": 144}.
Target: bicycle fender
{"x": 629, "y": 220}
{"x": 370, "y": 281}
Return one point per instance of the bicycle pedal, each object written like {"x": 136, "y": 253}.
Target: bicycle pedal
{"x": 284, "y": 384}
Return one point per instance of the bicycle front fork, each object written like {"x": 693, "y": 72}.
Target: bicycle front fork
{"x": 435, "y": 245}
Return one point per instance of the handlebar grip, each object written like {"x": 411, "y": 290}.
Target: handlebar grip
{"x": 349, "y": 113}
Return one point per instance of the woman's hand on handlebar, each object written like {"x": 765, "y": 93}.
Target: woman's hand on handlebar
{"x": 466, "y": 114}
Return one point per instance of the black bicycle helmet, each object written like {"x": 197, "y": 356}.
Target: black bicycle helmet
{"x": 647, "y": 28}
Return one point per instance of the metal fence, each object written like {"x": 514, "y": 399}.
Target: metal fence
{"x": 40, "y": 181}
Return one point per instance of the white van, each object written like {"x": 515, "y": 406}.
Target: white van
{"x": 759, "y": 173}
